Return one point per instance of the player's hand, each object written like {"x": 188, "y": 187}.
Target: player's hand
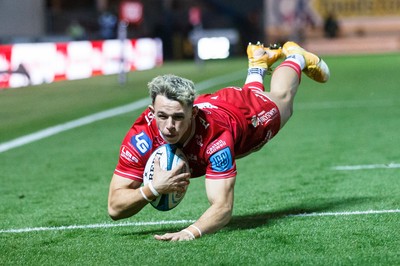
{"x": 178, "y": 236}
{"x": 170, "y": 181}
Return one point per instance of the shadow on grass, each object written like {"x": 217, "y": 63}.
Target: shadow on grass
{"x": 156, "y": 231}
{"x": 262, "y": 218}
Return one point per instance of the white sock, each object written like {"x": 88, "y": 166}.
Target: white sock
{"x": 298, "y": 59}
{"x": 255, "y": 74}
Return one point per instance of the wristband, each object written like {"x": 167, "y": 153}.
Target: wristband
{"x": 153, "y": 190}
{"x": 189, "y": 233}
{"x": 198, "y": 229}
{"x": 144, "y": 195}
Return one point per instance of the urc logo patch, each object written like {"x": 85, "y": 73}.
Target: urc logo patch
{"x": 221, "y": 161}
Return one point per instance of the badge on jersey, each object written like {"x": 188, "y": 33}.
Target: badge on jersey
{"x": 221, "y": 161}
{"x": 141, "y": 142}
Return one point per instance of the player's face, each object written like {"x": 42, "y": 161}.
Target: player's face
{"x": 173, "y": 119}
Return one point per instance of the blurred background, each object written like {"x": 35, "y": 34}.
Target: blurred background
{"x": 173, "y": 20}
{"x": 190, "y": 29}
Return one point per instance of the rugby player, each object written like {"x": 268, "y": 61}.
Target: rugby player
{"x": 213, "y": 130}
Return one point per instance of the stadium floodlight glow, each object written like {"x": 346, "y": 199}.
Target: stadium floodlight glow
{"x": 213, "y": 48}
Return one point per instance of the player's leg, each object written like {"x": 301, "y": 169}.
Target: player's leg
{"x": 286, "y": 78}
{"x": 285, "y": 81}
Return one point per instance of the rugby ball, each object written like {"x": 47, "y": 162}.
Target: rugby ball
{"x": 169, "y": 156}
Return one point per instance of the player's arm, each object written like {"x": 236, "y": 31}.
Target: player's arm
{"x": 124, "y": 197}
{"x": 220, "y": 195}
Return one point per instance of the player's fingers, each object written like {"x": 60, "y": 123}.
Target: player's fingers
{"x": 165, "y": 237}
{"x": 171, "y": 237}
{"x": 183, "y": 180}
{"x": 181, "y": 188}
{"x": 179, "y": 237}
{"x": 181, "y": 167}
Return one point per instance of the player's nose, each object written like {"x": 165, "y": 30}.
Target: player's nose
{"x": 170, "y": 124}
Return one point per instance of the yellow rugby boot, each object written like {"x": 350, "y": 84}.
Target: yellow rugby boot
{"x": 263, "y": 57}
{"x": 315, "y": 68}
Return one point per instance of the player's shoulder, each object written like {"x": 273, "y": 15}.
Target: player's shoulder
{"x": 143, "y": 135}
{"x": 145, "y": 120}
{"x": 211, "y": 134}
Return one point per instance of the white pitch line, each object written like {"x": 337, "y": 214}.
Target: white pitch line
{"x": 93, "y": 226}
{"x": 50, "y": 131}
{"x": 5, "y": 146}
{"x": 314, "y": 214}
{"x": 137, "y": 224}
{"x": 366, "y": 166}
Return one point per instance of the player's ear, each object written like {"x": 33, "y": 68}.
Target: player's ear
{"x": 195, "y": 110}
{"x": 151, "y": 108}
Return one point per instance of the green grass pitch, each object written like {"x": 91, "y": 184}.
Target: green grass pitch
{"x": 62, "y": 180}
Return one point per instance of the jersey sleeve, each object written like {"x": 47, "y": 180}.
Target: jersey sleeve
{"x": 135, "y": 150}
{"x": 130, "y": 163}
{"x": 221, "y": 158}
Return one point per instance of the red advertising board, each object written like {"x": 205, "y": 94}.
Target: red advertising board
{"x": 36, "y": 63}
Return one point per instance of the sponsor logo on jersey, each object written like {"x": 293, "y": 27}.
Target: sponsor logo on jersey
{"x": 265, "y": 117}
{"x": 149, "y": 118}
{"x": 127, "y": 155}
{"x": 141, "y": 142}
{"x": 221, "y": 161}
{"x": 216, "y": 146}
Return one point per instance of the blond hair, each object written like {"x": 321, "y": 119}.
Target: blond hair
{"x": 174, "y": 88}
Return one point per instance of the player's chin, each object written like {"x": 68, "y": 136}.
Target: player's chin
{"x": 171, "y": 139}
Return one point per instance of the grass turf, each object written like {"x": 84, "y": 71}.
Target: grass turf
{"x": 63, "y": 180}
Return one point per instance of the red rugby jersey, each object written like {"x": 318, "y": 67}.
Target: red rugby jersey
{"x": 230, "y": 123}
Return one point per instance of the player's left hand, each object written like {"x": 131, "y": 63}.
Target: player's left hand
{"x": 170, "y": 181}
{"x": 178, "y": 236}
